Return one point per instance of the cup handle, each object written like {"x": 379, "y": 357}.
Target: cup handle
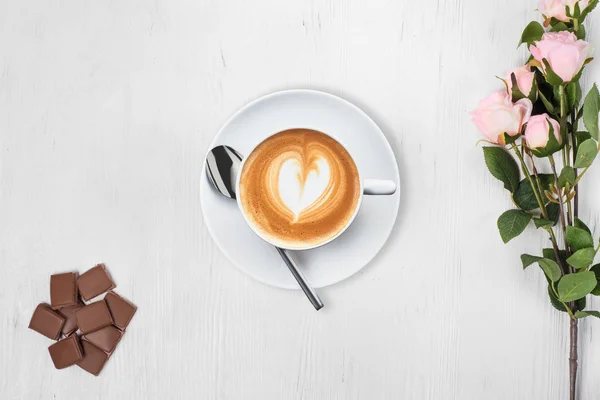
{"x": 379, "y": 187}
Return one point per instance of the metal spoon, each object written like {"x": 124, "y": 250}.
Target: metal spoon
{"x": 222, "y": 166}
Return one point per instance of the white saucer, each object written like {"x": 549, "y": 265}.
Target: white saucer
{"x": 356, "y": 247}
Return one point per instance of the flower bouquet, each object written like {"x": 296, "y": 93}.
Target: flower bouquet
{"x": 534, "y": 124}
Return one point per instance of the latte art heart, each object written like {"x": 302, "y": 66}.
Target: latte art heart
{"x": 299, "y": 188}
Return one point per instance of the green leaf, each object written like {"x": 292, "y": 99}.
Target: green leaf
{"x": 578, "y": 238}
{"x": 596, "y": 270}
{"x": 590, "y": 313}
{"x": 547, "y": 103}
{"x": 591, "y": 108}
{"x": 542, "y": 223}
{"x": 576, "y": 286}
{"x": 582, "y": 258}
{"x": 512, "y": 223}
{"x": 554, "y": 21}
{"x": 567, "y": 175}
{"x": 528, "y": 259}
{"x": 586, "y": 153}
{"x": 581, "y": 225}
{"x": 581, "y": 303}
{"x": 525, "y": 198}
{"x": 551, "y": 76}
{"x": 553, "y": 212}
{"x": 503, "y": 167}
{"x": 561, "y": 26}
{"x": 554, "y": 300}
{"x": 546, "y": 180}
{"x": 582, "y": 136}
{"x": 532, "y": 33}
{"x": 550, "y": 268}
{"x": 549, "y": 254}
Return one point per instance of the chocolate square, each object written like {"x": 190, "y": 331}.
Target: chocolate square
{"x": 93, "y": 317}
{"x": 63, "y": 290}
{"x": 66, "y": 352}
{"x": 93, "y": 359}
{"x": 105, "y": 339}
{"x": 47, "y": 322}
{"x": 70, "y": 320}
{"x": 94, "y": 282}
{"x": 121, "y": 310}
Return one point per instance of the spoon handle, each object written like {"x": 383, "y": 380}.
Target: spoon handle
{"x": 308, "y": 291}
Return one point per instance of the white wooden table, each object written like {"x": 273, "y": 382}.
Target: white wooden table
{"x": 106, "y": 111}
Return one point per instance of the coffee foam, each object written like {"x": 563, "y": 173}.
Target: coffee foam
{"x": 299, "y": 188}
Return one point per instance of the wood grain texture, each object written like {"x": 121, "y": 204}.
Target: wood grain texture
{"x": 106, "y": 110}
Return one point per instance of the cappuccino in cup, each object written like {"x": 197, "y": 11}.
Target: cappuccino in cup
{"x": 299, "y": 189}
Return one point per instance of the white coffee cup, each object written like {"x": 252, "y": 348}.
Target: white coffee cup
{"x": 368, "y": 187}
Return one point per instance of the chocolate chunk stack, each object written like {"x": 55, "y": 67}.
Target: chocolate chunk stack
{"x": 87, "y": 332}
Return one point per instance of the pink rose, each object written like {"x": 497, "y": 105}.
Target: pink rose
{"x": 496, "y": 115}
{"x": 565, "y": 54}
{"x": 558, "y": 8}
{"x": 537, "y": 131}
{"x": 524, "y": 78}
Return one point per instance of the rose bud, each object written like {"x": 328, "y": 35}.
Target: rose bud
{"x": 497, "y": 115}
{"x": 558, "y": 8}
{"x": 565, "y": 54}
{"x": 537, "y": 132}
{"x": 524, "y": 77}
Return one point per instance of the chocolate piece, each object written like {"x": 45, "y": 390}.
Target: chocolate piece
{"x": 93, "y": 359}
{"x": 105, "y": 339}
{"x": 66, "y": 352}
{"x": 47, "y": 322}
{"x": 121, "y": 310}
{"x": 94, "y": 282}
{"x": 70, "y": 320}
{"x": 63, "y": 291}
{"x": 93, "y": 317}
